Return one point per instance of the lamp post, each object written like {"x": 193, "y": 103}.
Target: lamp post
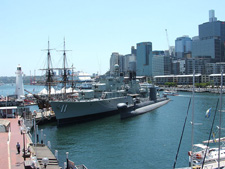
{"x": 23, "y": 132}
{"x": 34, "y": 125}
{"x": 45, "y": 161}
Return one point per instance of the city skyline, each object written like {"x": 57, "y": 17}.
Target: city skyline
{"x": 92, "y": 30}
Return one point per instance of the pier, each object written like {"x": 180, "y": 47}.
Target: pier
{"x": 189, "y": 89}
{"x": 32, "y": 155}
{"x": 9, "y": 157}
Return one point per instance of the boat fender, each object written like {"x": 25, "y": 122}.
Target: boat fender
{"x": 189, "y": 153}
{"x": 198, "y": 156}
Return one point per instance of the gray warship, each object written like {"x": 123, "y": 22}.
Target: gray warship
{"x": 100, "y": 101}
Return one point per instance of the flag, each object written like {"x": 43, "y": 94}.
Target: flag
{"x": 207, "y": 114}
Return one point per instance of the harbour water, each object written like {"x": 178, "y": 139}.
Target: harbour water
{"x": 146, "y": 141}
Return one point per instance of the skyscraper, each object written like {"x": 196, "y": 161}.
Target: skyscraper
{"x": 211, "y": 39}
{"x": 182, "y": 46}
{"x": 144, "y": 59}
{"x": 116, "y": 58}
{"x": 161, "y": 64}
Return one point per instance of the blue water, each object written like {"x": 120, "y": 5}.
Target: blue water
{"x": 147, "y": 141}
{"x": 9, "y": 89}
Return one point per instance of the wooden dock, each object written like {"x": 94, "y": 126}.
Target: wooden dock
{"x": 42, "y": 151}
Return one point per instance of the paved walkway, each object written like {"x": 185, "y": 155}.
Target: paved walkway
{"x": 9, "y": 159}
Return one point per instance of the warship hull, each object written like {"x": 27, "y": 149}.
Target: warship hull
{"x": 79, "y": 111}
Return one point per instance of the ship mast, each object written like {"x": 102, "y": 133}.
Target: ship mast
{"x": 65, "y": 78}
{"x": 49, "y": 73}
{"x": 65, "y": 74}
{"x": 72, "y": 85}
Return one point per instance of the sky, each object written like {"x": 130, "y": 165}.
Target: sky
{"x": 93, "y": 30}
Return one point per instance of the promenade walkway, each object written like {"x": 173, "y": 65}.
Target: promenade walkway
{"x": 9, "y": 159}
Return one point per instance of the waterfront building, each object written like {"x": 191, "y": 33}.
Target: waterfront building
{"x": 211, "y": 39}
{"x": 197, "y": 64}
{"x": 214, "y": 68}
{"x": 215, "y": 79}
{"x": 178, "y": 79}
{"x": 160, "y": 63}
{"x": 144, "y": 59}
{"x": 175, "y": 67}
{"x": 178, "y": 67}
{"x": 183, "y": 45}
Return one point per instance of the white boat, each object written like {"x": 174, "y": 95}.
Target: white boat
{"x": 170, "y": 93}
{"x": 211, "y": 155}
{"x": 202, "y": 156}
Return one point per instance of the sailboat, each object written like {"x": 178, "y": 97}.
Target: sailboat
{"x": 202, "y": 156}
{"x": 210, "y": 157}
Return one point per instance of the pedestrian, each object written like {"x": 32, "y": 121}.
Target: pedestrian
{"x": 18, "y": 147}
{"x": 19, "y": 122}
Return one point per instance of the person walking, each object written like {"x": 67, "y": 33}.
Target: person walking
{"x": 18, "y": 147}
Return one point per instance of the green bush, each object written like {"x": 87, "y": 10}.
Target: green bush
{"x": 171, "y": 84}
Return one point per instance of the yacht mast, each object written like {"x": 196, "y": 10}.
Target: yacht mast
{"x": 192, "y": 122}
{"x": 221, "y": 90}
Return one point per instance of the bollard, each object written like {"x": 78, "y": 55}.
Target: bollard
{"x": 67, "y": 160}
{"x": 41, "y": 136}
{"x": 37, "y": 134}
{"x": 45, "y": 138}
{"x": 56, "y": 155}
{"x": 49, "y": 144}
{"x": 65, "y": 165}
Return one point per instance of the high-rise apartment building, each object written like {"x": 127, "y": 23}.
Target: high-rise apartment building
{"x": 144, "y": 59}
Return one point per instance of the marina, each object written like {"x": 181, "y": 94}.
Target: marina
{"x": 112, "y": 84}
{"x": 141, "y": 142}
{"x": 142, "y": 138}
{"x": 129, "y": 136}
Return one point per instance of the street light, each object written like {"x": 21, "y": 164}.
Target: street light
{"x": 45, "y": 161}
{"x": 34, "y": 113}
{"x": 24, "y": 130}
